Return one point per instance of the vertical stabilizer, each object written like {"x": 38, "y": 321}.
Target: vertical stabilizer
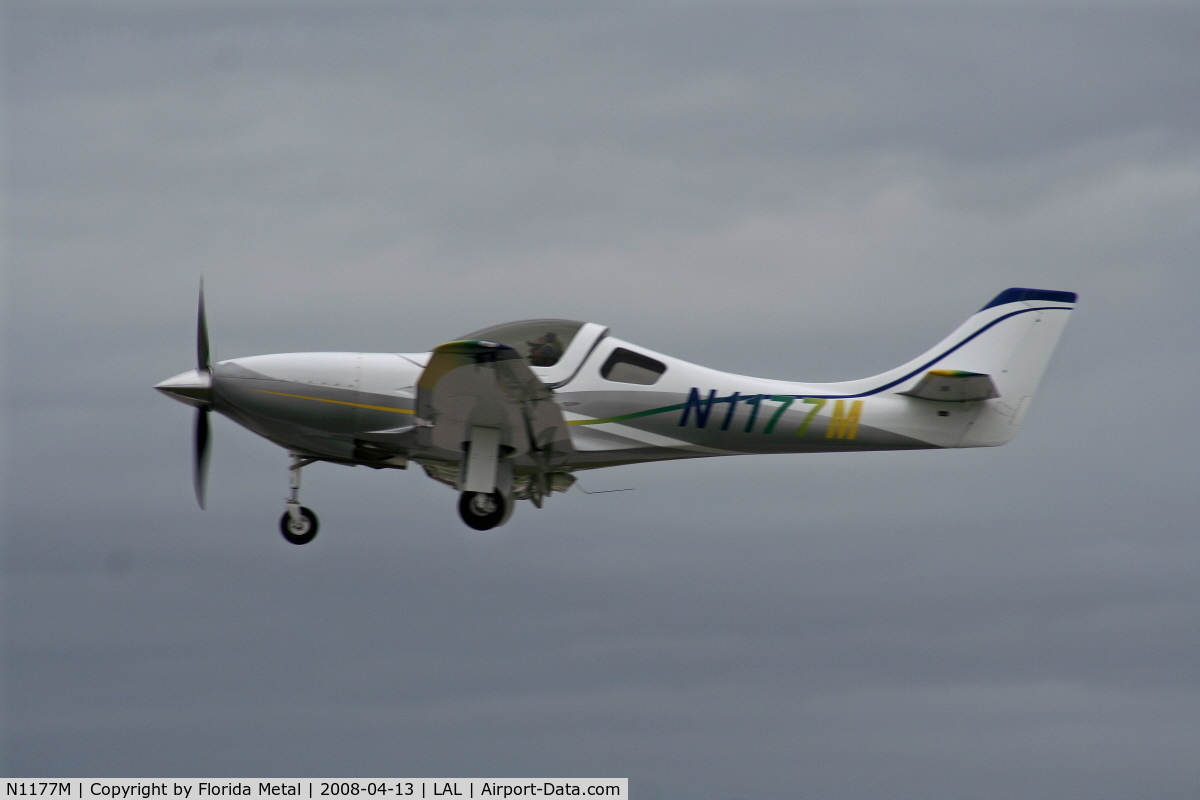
{"x": 1016, "y": 335}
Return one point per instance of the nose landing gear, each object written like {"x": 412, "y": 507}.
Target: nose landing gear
{"x": 298, "y": 524}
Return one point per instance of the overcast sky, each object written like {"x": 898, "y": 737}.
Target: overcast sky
{"x": 814, "y": 191}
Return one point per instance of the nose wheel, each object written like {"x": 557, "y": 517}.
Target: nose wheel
{"x": 482, "y": 510}
{"x": 298, "y": 524}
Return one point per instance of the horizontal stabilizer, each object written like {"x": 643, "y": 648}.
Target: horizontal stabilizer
{"x": 954, "y": 386}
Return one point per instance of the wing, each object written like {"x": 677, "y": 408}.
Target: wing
{"x": 483, "y": 392}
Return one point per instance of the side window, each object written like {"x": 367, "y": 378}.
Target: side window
{"x": 626, "y": 366}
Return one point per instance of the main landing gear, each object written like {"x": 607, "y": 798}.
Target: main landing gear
{"x": 485, "y": 481}
{"x": 298, "y": 524}
{"x": 483, "y": 510}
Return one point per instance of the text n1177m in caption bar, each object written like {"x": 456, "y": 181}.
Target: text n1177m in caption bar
{"x": 403, "y": 788}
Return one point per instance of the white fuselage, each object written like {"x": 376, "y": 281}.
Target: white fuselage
{"x": 511, "y": 411}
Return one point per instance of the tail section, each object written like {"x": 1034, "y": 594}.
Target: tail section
{"x": 1015, "y": 351}
{"x": 1010, "y": 341}
{"x": 997, "y": 357}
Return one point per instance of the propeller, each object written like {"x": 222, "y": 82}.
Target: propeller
{"x": 202, "y": 357}
{"x": 195, "y": 387}
{"x": 201, "y": 438}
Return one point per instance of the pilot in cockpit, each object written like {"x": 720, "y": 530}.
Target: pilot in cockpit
{"x": 545, "y": 350}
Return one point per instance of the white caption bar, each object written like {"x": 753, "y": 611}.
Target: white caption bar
{"x": 320, "y": 789}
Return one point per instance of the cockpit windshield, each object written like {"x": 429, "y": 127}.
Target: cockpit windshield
{"x": 542, "y": 341}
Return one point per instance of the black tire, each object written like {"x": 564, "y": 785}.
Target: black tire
{"x": 303, "y": 530}
{"x": 482, "y": 510}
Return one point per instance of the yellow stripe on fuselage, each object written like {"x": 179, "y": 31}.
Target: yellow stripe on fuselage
{"x": 337, "y": 402}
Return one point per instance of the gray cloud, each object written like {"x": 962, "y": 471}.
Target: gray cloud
{"x": 810, "y": 193}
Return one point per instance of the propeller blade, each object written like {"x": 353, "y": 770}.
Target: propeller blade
{"x": 200, "y": 462}
{"x": 203, "y": 362}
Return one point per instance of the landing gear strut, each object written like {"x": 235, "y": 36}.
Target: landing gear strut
{"x": 298, "y": 524}
{"x": 483, "y": 510}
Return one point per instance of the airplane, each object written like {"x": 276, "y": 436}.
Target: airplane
{"x": 512, "y": 411}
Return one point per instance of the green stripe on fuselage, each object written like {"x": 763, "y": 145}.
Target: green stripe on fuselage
{"x": 624, "y": 417}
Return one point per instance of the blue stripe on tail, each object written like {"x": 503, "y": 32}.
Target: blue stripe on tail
{"x": 1017, "y": 295}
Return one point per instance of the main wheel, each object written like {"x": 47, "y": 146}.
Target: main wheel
{"x": 299, "y": 531}
{"x": 482, "y": 510}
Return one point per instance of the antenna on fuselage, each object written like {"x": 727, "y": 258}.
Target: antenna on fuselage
{"x": 601, "y": 491}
